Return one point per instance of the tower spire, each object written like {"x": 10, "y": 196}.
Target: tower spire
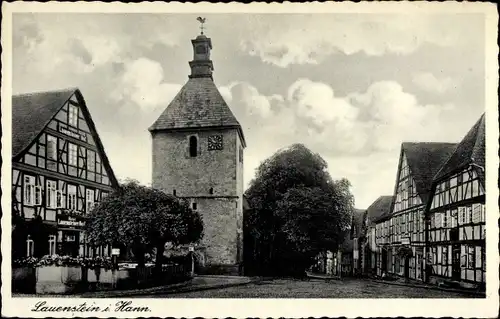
{"x": 201, "y": 66}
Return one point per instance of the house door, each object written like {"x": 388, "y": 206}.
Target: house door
{"x": 407, "y": 266}
{"x": 70, "y": 244}
{"x": 418, "y": 265}
{"x": 455, "y": 268}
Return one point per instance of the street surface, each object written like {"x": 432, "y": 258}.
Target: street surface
{"x": 289, "y": 288}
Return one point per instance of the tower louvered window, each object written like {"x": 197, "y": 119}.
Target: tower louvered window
{"x": 193, "y": 146}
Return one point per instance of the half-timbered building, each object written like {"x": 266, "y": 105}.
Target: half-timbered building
{"x": 456, "y": 214}
{"x": 59, "y": 172}
{"x": 418, "y": 163}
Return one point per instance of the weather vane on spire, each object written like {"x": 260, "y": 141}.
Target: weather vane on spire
{"x": 202, "y": 21}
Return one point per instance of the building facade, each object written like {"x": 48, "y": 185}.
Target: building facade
{"x": 403, "y": 231}
{"x": 456, "y": 218}
{"x": 59, "y": 172}
{"x": 198, "y": 148}
{"x": 382, "y": 206}
{"x": 435, "y": 230}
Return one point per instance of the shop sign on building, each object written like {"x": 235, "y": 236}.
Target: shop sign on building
{"x": 70, "y": 221}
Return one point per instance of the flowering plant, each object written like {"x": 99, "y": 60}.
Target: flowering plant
{"x": 68, "y": 261}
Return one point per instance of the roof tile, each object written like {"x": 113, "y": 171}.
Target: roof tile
{"x": 424, "y": 160}
{"x": 380, "y": 208}
{"x": 470, "y": 150}
{"x": 31, "y": 112}
{"x": 198, "y": 104}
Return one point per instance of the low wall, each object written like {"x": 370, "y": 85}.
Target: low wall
{"x": 65, "y": 280}
{"x": 219, "y": 269}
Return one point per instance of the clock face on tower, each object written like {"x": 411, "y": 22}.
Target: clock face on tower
{"x": 215, "y": 142}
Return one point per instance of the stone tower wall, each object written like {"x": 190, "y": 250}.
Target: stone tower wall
{"x": 192, "y": 178}
{"x": 173, "y": 168}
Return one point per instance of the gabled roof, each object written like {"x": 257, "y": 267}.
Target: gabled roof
{"x": 198, "y": 104}
{"x": 380, "y": 208}
{"x": 471, "y": 150}
{"x": 32, "y": 112}
{"x": 424, "y": 160}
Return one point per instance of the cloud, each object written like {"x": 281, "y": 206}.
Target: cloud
{"x": 316, "y": 100}
{"x": 361, "y": 123}
{"x": 430, "y": 83}
{"x": 142, "y": 83}
{"x": 359, "y": 134}
{"x": 309, "y": 39}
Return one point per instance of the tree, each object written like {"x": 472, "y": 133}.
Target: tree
{"x": 143, "y": 219}
{"x": 298, "y": 210}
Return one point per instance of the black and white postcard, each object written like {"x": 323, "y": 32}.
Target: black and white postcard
{"x": 249, "y": 160}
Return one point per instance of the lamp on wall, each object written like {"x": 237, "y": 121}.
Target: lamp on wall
{"x": 472, "y": 164}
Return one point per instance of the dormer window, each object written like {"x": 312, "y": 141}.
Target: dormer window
{"x": 193, "y": 146}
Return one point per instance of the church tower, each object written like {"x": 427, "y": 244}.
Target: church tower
{"x": 198, "y": 155}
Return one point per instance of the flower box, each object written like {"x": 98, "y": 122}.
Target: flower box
{"x": 57, "y": 279}
{"x": 63, "y": 275}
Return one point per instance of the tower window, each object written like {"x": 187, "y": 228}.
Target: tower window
{"x": 193, "y": 146}
{"x": 211, "y": 190}
{"x": 201, "y": 49}
{"x": 175, "y": 192}
{"x": 195, "y": 206}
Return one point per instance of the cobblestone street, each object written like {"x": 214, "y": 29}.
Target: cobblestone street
{"x": 282, "y": 288}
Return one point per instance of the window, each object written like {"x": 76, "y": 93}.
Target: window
{"x": 211, "y": 191}
{"x": 444, "y": 257}
{"x": 30, "y": 246}
{"x": 91, "y": 160}
{"x": 469, "y": 250}
{"x": 241, "y": 154}
{"x": 51, "y": 194}
{"x": 51, "y": 148}
{"x": 479, "y": 256}
{"x": 90, "y": 200}
{"x": 32, "y": 192}
{"x": 193, "y": 146}
{"x": 72, "y": 154}
{"x": 195, "y": 206}
{"x": 52, "y": 245}
{"x": 72, "y": 197}
{"x": 477, "y": 213}
{"x": 461, "y": 215}
{"x": 73, "y": 115}
{"x": 71, "y": 238}
{"x": 174, "y": 192}
{"x": 59, "y": 199}
{"x": 483, "y": 258}
{"x": 433, "y": 255}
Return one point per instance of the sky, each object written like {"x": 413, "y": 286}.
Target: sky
{"x": 351, "y": 87}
